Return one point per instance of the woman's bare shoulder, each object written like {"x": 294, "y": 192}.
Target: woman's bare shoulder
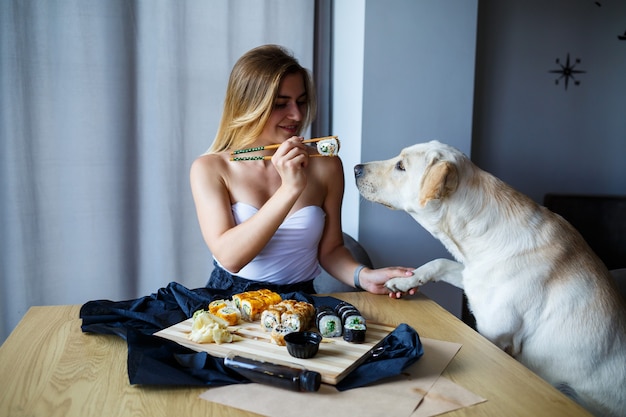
{"x": 209, "y": 167}
{"x": 209, "y": 162}
{"x": 328, "y": 166}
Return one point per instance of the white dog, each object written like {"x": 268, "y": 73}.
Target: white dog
{"x": 534, "y": 286}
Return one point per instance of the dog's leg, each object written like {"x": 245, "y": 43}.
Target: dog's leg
{"x": 436, "y": 270}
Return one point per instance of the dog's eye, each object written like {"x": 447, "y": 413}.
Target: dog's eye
{"x": 400, "y": 166}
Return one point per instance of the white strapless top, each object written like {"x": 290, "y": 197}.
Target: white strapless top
{"x": 291, "y": 255}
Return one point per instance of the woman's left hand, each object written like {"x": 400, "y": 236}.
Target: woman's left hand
{"x": 374, "y": 280}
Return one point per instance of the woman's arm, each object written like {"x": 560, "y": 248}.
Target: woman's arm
{"x": 236, "y": 245}
{"x": 334, "y": 257}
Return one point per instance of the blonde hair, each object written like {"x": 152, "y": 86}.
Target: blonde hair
{"x": 252, "y": 90}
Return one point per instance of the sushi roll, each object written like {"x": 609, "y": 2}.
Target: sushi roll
{"x": 230, "y": 314}
{"x": 324, "y": 309}
{"x": 306, "y": 312}
{"x": 343, "y": 304}
{"x": 328, "y": 147}
{"x": 278, "y": 334}
{"x": 343, "y": 307}
{"x": 270, "y": 297}
{"x": 265, "y": 296}
{"x": 237, "y": 299}
{"x": 251, "y": 308}
{"x": 215, "y": 305}
{"x": 289, "y": 305}
{"x": 354, "y": 326}
{"x": 353, "y": 317}
{"x": 328, "y": 323}
{"x": 345, "y": 311}
{"x": 270, "y": 318}
{"x": 294, "y": 320}
{"x": 296, "y": 315}
{"x": 354, "y": 332}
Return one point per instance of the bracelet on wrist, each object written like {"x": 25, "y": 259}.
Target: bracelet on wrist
{"x": 357, "y": 272}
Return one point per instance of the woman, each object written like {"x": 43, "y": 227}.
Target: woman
{"x": 271, "y": 223}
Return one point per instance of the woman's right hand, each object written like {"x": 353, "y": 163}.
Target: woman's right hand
{"x": 291, "y": 160}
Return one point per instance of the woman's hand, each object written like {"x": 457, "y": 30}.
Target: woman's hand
{"x": 373, "y": 280}
{"x": 291, "y": 160}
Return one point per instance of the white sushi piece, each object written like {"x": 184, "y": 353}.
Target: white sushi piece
{"x": 329, "y": 325}
{"x": 270, "y": 318}
{"x": 354, "y": 333}
{"x": 328, "y": 147}
{"x": 278, "y": 334}
{"x": 293, "y": 320}
{"x": 354, "y": 319}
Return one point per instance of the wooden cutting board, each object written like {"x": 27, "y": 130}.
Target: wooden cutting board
{"x": 336, "y": 357}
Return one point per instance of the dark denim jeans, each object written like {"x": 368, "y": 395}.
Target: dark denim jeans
{"x": 225, "y": 282}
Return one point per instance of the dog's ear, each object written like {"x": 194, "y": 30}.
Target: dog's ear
{"x": 440, "y": 179}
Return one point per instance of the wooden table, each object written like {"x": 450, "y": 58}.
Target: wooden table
{"x": 48, "y": 367}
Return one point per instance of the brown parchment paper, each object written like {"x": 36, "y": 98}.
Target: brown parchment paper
{"x": 398, "y": 396}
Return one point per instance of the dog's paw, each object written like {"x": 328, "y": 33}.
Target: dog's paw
{"x": 403, "y": 284}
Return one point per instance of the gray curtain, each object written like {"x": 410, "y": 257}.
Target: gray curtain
{"x": 103, "y": 107}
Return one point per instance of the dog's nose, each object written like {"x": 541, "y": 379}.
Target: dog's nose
{"x": 358, "y": 170}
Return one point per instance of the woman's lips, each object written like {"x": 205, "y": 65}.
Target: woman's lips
{"x": 290, "y": 129}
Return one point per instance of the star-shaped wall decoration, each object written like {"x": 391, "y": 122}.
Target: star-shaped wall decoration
{"x": 567, "y": 71}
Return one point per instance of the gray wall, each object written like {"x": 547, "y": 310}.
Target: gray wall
{"x": 418, "y": 86}
{"x": 529, "y": 131}
{"x": 520, "y": 125}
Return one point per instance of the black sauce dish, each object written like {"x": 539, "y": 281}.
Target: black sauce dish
{"x": 303, "y": 345}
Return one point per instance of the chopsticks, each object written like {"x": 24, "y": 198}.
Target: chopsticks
{"x": 261, "y": 158}
{"x": 333, "y": 140}
{"x": 276, "y": 145}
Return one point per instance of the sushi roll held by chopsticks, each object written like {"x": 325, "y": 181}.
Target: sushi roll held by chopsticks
{"x": 326, "y": 146}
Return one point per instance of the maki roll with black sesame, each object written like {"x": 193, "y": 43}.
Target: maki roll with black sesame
{"x": 348, "y": 312}
{"x": 328, "y": 323}
{"x": 354, "y": 326}
{"x": 354, "y": 332}
{"x": 343, "y": 309}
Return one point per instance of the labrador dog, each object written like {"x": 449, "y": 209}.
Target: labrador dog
{"x": 534, "y": 286}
